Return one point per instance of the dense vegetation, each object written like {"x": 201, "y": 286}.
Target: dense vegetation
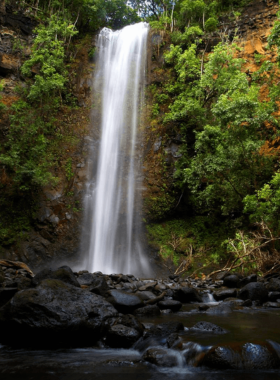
{"x": 229, "y": 158}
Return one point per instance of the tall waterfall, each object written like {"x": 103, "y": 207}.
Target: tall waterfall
{"x": 112, "y": 221}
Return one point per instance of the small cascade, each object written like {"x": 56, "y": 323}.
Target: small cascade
{"x": 112, "y": 222}
{"x": 209, "y": 299}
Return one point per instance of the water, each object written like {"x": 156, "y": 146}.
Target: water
{"x": 126, "y": 364}
{"x": 112, "y": 204}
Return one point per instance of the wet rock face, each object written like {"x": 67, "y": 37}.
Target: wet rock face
{"x": 124, "y": 302}
{"x": 64, "y": 274}
{"x": 54, "y": 314}
{"x": 160, "y": 357}
{"x": 120, "y": 336}
{"x": 238, "y": 356}
{"x": 186, "y": 295}
{"x": 255, "y": 291}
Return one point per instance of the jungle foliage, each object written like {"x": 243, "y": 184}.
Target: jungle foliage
{"x": 229, "y": 158}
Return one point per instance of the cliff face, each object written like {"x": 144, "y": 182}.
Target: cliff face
{"x": 56, "y": 211}
{"x": 162, "y": 143}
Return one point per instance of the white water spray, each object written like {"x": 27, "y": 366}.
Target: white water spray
{"x": 111, "y": 225}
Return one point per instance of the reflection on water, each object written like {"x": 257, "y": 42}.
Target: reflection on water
{"x": 111, "y": 364}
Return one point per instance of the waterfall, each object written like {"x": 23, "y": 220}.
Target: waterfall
{"x": 112, "y": 221}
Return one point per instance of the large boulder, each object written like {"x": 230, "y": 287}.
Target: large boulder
{"x": 54, "y": 314}
{"x": 124, "y": 302}
{"x": 242, "y": 356}
{"x": 186, "y": 295}
{"x": 64, "y": 274}
{"x": 231, "y": 281}
{"x": 254, "y": 291}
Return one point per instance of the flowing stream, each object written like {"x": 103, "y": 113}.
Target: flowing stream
{"x": 113, "y": 201}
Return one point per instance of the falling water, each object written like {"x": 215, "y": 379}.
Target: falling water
{"x": 111, "y": 214}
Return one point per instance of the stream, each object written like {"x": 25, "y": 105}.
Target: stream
{"x": 252, "y": 325}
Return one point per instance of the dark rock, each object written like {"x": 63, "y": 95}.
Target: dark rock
{"x": 220, "y": 295}
{"x": 86, "y": 279}
{"x": 220, "y": 309}
{"x": 170, "y": 304}
{"x": 6, "y": 294}
{"x": 254, "y": 291}
{"x": 173, "y": 277}
{"x": 242, "y": 356}
{"x": 231, "y": 281}
{"x": 274, "y": 285}
{"x": 23, "y": 283}
{"x": 186, "y": 295}
{"x": 149, "y": 310}
{"x": 246, "y": 303}
{"x": 174, "y": 341}
{"x": 209, "y": 327}
{"x": 99, "y": 286}
{"x": 64, "y": 274}
{"x": 160, "y": 357}
{"x": 124, "y": 302}
{"x": 127, "y": 320}
{"x": 246, "y": 280}
{"x": 120, "y": 336}
{"x": 273, "y": 296}
{"x": 54, "y": 314}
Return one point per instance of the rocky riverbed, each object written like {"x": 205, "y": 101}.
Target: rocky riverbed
{"x": 227, "y": 323}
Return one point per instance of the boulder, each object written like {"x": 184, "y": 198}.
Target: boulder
{"x": 220, "y": 295}
{"x": 147, "y": 311}
{"x": 54, "y": 314}
{"x": 242, "y": 356}
{"x": 254, "y": 291}
{"x": 170, "y": 304}
{"x": 86, "y": 279}
{"x": 160, "y": 357}
{"x": 209, "y": 327}
{"x": 99, "y": 286}
{"x": 64, "y": 274}
{"x": 246, "y": 280}
{"x": 120, "y": 336}
{"x": 186, "y": 295}
{"x": 231, "y": 281}
{"x": 274, "y": 285}
{"x": 124, "y": 302}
